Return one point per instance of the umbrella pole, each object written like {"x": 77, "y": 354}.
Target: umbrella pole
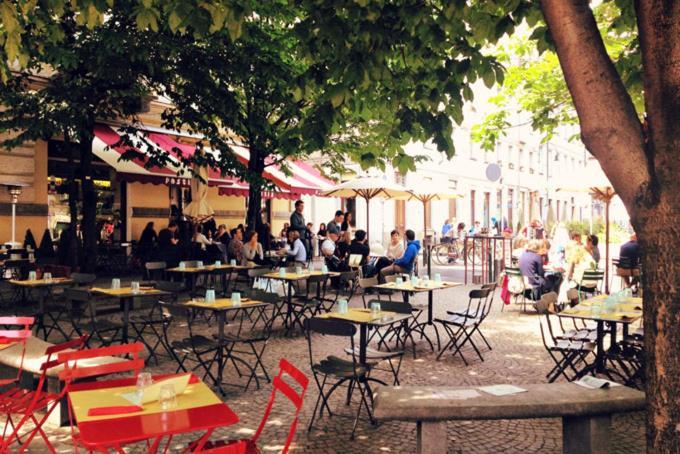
{"x": 368, "y": 216}
{"x": 606, "y": 253}
{"x": 424, "y": 219}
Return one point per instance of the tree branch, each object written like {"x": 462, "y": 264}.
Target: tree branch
{"x": 610, "y": 127}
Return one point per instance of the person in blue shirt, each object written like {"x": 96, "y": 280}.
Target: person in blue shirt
{"x": 531, "y": 267}
{"x": 405, "y": 263}
{"x": 446, "y": 229}
{"x": 297, "y": 252}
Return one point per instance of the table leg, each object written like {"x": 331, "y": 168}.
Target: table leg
{"x": 289, "y": 306}
{"x": 126, "y": 318}
{"x": 221, "y": 317}
{"x": 192, "y": 278}
{"x": 41, "y": 312}
{"x": 363, "y": 328}
{"x": 429, "y": 307}
{"x": 599, "y": 356}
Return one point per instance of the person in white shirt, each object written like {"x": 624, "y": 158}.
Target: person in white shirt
{"x": 200, "y": 238}
{"x": 394, "y": 251}
{"x": 252, "y": 250}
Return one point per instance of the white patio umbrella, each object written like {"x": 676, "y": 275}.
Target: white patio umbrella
{"x": 367, "y": 188}
{"x": 426, "y": 191}
{"x": 593, "y": 181}
{"x": 198, "y": 209}
{"x": 550, "y": 219}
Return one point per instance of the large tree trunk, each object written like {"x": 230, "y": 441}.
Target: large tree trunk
{"x": 644, "y": 170}
{"x": 74, "y": 250}
{"x": 89, "y": 224}
{"x": 255, "y": 169}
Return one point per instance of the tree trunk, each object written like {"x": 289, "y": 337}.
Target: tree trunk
{"x": 256, "y": 181}
{"x": 74, "y": 250}
{"x": 643, "y": 169}
{"x": 89, "y": 224}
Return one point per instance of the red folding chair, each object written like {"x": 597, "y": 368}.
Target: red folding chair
{"x": 73, "y": 371}
{"x": 25, "y": 403}
{"x": 247, "y": 446}
{"x": 15, "y": 336}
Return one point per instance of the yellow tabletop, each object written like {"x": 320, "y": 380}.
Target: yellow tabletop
{"x": 224, "y": 304}
{"x": 420, "y": 287}
{"x": 621, "y": 313}
{"x": 297, "y": 277}
{"x": 127, "y": 291}
{"x": 42, "y": 282}
{"x": 365, "y": 316}
{"x": 7, "y": 345}
{"x": 630, "y": 300}
{"x": 209, "y": 268}
{"x": 194, "y": 396}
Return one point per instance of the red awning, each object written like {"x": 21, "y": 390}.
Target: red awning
{"x": 300, "y": 179}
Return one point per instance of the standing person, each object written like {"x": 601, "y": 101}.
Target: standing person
{"x": 321, "y": 236}
{"x": 335, "y": 226}
{"x": 168, "y": 250}
{"x": 235, "y": 249}
{"x": 591, "y": 245}
{"x": 406, "y": 262}
{"x": 347, "y": 223}
{"x": 298, "y": 224}
{"x": 147, "y": 240}
{"x": 252, "y": 249}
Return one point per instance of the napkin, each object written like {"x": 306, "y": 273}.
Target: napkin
{"x": 116, "y": 410}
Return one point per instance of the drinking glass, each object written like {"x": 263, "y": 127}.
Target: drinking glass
{"x": 134, "y": 285}
{"x": 182, "y": 265}
{"x": 282, "y": 272}
{"x": 324, "y": 269}
{"x": 438, "y": 278}
{"x": 115, "y": 283}
{"x": 210, "y": 295}
{"x": 596, "y": 308}
{"x": 236, "y": 298}
{"x": 47, "y": 276}
{"x": 399, "y": 281}
{"x": 426, "y": 280}
{"x": 144, "y": 379}
{"x": 32, "y": 276}
{"x": 298, "y": 270}
{"x": 199, "y": 264}
{"x": 218, "y": 263}
{"x": 342, "y": 307}
{"x": 232, "y": 262}
{"x": 167, "y": 397}
{"x": 375, "y": 308}
{"x": 414, "y": 280}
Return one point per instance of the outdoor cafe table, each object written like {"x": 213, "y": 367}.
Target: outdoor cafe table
{"x": 223, "y": 270}
{"x": 430, "y": 286}
{"x": 198, "y": 409}
{"x": 125, "y": 295}
{"x": 220, "y": 307}
{"x": 290, "y": 278}
{"x": 44, "y": 288}
{"x": 365, "y": 318}
{"x": 626, "y": 312}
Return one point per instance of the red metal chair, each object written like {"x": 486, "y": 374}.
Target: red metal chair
{"x": 25, "y": 403}
{"x": 73, "y": 371}
{"x": 12, "y": 336}
{"x": 250, "y": 445}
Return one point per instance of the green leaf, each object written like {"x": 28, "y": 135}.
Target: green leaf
{"x": 488, "y": 78}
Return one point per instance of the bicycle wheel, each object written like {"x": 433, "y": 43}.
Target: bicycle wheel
{"x": 440, "y": 254}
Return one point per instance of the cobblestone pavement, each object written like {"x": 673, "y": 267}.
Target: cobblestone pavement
{"x": 518, "y": 357}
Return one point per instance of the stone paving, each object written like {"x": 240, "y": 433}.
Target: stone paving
{"x": 518, "y": 357}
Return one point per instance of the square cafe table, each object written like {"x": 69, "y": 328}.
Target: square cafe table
{"x": 365, "y": 318}
{"x": 626, "y": 312}
{"x": 125, "y": 295}
{"x": 220, "y": 307}
{"x": 44, "y": 288}
{"x": 290, "y": 278}
{"x": 198, "y": 409}
{"x": 430, "y": 286}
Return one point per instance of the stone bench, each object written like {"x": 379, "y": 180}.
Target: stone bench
{"x": 10, "y": 361}
{"x": 586, "y": 413}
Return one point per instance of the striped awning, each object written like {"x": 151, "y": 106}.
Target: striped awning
{"x": 300, "y": 178}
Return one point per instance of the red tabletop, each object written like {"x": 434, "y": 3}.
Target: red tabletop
{"x": 121, "y": 429}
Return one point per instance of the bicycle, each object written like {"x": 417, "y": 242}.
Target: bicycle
{"x": 446, "y": 252}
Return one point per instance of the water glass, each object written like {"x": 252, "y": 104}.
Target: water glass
{"x": 596, "y": 309}
{"x": 134, "y": 285}
{"x": 426, "y": 280}
{"x": 342, "y": 307}
{"x": 375, "y": 308}
{"x": 399, "y": 281}
{"x": 199, "y": 264}
{"x": 210, "y": 295}
{"x": 298, "y": 270}
{"x": 324, "y": 269}
{"x": 438, "y": 278}
{"x": 182, "y": 265}
{"x": 167, "y": 397}
{"x": 32, "y": 276}
{"x": 115, "y": 283}
{"x": 414, "y": 280}
{"x": 232, "y": 262}
{"x": 236, "y": 299}
{"x": 282, "y": 272}
{"x": 47, "y": 276}
{"x": 143, "y": 380}
{"x": 217, "y": 263}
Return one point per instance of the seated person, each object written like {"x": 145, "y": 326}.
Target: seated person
{"x": 531, "y": 267}
{"x": 629, "y": 261}
{"x": 252, "y": 250}
{"x": 343, "y": 245}
{"x": 360, "y": 248}
{"x": 200, "y": 238}
{"x": 394, "y": 251}
{"x": 582, "y": 261}
{"x": 297, "y": 253}
{"x": 235, "y": 248}
{"x": 406, "y": 262}
{"x": 330, "y": 252}
{"x": 222, "y": 235}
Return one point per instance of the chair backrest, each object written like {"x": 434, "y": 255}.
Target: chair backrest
{"x": 368, "y": 282}
{"x": 286, "y": 369}
{"x": 155, "y": 270}
{"x": 476, "y": 300}
{"x": 18, "y": 335}
{"x": 75, "y": 371}
{"x": 83, "y": 278}
{"x": 491, "y": 288}
{"x": 593, "y": 275}
{"x": 257, "y": 272}
{"x": 400, "y": 307}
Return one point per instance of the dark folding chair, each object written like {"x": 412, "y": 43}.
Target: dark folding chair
{"x": 334, "y": 371}
{"x": 460, "y": 326}
{"x": 82, "y": 306}
{"x": 57, "y": 307}
{"x": 155, "y": 271}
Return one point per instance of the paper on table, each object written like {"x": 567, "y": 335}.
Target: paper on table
{"x": 152, "y": 393}
{"x": 502, "y": 390}
{"x": 595, "y": 383}
{"x": 457, "y": 394}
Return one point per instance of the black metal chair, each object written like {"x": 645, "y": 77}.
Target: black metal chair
{"x": 155, "y": 271}
{"x": 333, "y": 372}
{"x": 57, "y": 307}
{"x": 460, "y": 326}
{"x": 83, "y": 311}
